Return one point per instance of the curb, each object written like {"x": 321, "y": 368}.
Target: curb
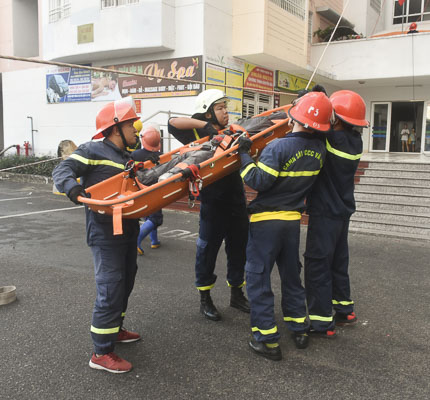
{"x": 25, "y": 178}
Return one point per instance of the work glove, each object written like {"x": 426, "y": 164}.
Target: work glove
{"x": 244, "y": 145}
{"x": 76, "y": 191}
{"x": 154, "y": 158}
{"x": 210, "y": 130}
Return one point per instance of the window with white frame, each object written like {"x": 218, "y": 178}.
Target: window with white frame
{"x": 295, "y": 7}
{"x": 58, "y": 10}
{"x": 411, "y": 11}
{"x": 116, "y": 3}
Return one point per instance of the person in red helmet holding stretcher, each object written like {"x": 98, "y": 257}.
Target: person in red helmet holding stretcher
{"x": 223, "y": 213}
{"x": 330, "y": 205}
{"x": 114, "y": 256}
{"x": 151, "y": 145}
{"x": 283, "y": 177}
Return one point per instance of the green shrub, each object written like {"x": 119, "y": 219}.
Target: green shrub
{"x": 44, "y": 168}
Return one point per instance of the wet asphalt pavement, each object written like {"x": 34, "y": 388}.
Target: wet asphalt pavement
{"x": 45, "y": 344}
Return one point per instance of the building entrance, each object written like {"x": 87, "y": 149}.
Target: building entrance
{"x": 406, "y": 117}
{"x": 397, "y": 127}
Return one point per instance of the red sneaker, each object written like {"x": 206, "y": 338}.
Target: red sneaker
{"x": 125, "y": 336}
{"x": 345, "y": 319}
{"x": 110, "y": 362}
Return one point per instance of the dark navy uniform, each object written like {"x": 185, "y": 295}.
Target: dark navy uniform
{"x": 330, "y": 205}
{"x": 286, "y": 170}
{"x": 223, "y": 216}
{"x": 114, "y": 256}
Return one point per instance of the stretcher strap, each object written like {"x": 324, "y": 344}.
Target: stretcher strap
{"x": 117, "y": 219}
{"x": 195, "y": 181}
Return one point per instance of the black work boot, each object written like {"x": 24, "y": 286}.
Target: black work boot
{"x": 238, "y": 300}
{"x": 301, "y": 340}
{"x": 272, "y": 351}
{"x": 207, "y": 307}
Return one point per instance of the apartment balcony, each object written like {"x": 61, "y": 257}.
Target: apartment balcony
{"x": 272, "y": 33}
{"x": 378, "y": 61}
{"x": 90, "y": 33}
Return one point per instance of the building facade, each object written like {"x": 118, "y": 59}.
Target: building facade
{"x": 261, "y": 52}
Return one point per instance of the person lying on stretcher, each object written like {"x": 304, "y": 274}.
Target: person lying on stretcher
{"x": 206, "y": 150}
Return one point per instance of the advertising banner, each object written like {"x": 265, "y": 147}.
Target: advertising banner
{"x": 65, "y": 85}
{"x": 229, "y": 77}
{"x": 110, "y": 86}
{"x": 234, "y": 78}
{"x": 290, "y": 82}
{"x": 258, "y": 78}
{"x": 215, "y": 74}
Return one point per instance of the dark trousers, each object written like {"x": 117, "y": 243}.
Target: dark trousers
{"x": 326, "y": 270}
{"x": 115, "y": 271}
{"x": 218, "y": 223}
{"x": 269, "y": 242}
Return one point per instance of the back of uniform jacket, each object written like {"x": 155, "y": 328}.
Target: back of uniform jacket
{"x": 95, "y": 162}
{"x": 333, "y": 192}
{"x": 287, "y": 168}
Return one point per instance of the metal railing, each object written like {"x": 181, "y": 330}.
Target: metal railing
{"x": 294, "y": 7}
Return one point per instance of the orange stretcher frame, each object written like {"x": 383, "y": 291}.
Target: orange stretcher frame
{"x": 121, "y": 197}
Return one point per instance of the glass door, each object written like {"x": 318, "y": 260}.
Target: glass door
{"x": 380, "y": 127}
{"x": 425, "y": 142}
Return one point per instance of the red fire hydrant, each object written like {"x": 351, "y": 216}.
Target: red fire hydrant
{"x": 27, "y": 148}
{"x": 18, "y": 149}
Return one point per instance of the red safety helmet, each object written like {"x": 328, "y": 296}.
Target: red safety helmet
{"x": 114, "y": 113}
{"x": 151, "y": 139}
{"x": 413, "y": 26}
{"x": 313, "y": 111}
{"x": 349, "y": 107}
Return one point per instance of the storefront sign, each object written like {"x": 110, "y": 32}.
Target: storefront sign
{"x": 228, "y": 77}
{"x": 258, "y": 78}
{"x": 188, "y": 68}
{"x": 86, "y": 33}
{"x": 65, "y": 85}
{"x": 291, "y": 83}
{"x": 234, "y": 78}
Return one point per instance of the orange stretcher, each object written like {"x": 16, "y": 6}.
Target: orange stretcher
{"x": 123, "y": 196}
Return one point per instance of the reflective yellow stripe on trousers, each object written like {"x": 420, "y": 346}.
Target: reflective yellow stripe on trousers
{"x": 107, "y": 331}
{"x": 342, "y": 303}
{"x": 265, "y": 331}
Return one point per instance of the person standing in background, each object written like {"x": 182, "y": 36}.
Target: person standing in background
{"x": 151, "y": 145}
{"x": 404, "y": 137}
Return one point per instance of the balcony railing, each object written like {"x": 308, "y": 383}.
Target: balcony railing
{"x": 295, "y": 7}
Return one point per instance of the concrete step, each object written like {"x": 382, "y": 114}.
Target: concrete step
{"x": 399, "y": 198}
{"x": 393, "y": 189}
{"x": 394, "y": 226}
{"x": 395, "y": 207}
{"x": 394, "y": 180}
{"x": 403, "y": 166}
{"x": 392, "y": 217}
{"x": 389, "y": 233}
{"x": 394, "y": 172}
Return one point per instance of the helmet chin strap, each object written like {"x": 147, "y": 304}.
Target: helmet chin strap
{"x": 213, "y": 117}
{"x": 118, "y": 125}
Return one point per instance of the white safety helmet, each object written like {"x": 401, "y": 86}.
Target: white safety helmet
{"x": 208, "y": 97}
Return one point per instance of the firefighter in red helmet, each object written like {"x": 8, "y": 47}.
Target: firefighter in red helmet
{"x": 330, "y": 205}
{"x": 114, "y": 256}
{"x": 151, "y": 145}
{"x": 283, "y": 176}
